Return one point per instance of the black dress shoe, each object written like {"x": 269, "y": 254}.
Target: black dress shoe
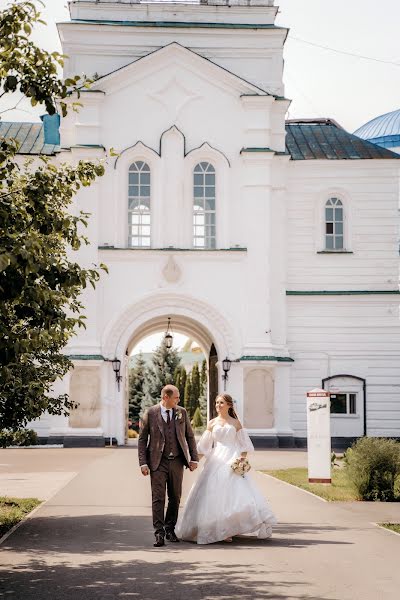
{"x": 159, "y": 541}
{"x": 171, "y": 536}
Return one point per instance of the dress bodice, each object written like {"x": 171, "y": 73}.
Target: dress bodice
{"x": 225, "y": 437}
{"x": 224, "y": 434}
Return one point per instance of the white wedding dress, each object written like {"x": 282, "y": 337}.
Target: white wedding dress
{"x": 222, "y": 503}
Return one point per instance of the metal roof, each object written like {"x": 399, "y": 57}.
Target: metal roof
{"x": 388, "y": 124}
{"x": 324, "y": 139}
{"x": 30, "y": 137}
{"x": 307, "y": 139}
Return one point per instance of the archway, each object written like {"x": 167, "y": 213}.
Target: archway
{"x": 150, "y": 336}
{"x": 190, "y": 316}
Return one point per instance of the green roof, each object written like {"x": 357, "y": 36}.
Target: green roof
{"x": 30, "y": 137}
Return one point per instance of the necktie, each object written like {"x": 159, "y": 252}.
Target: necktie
{"x": 168, "y": 417}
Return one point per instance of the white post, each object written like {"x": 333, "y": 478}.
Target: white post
{"x": 319, "y": 436}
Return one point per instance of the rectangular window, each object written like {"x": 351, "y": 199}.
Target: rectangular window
{"x": 344, "y": 403}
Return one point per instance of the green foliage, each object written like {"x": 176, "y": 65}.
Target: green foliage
{"x": 196, "y": 388}
{"x": 187, "y": 397}
{"x": 13, "y": 510}
{"x": 164, "y": 363}
{"x": 373, "y": 465}
{"x": 197, "y": 421}
{"x": 26, "y": 68}
{"x": 22, "y": 437}
{"x": 39, "y": 284}
{"x": 180, "y": 377}
{"x": 137, "y": 379}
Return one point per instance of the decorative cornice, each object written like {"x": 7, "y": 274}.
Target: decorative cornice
{"x": 177, "y": 24}
{"x": 243, "y": 150}
{"x": 267, "y": 358}
{"x": 340, "y": 292}
{"x": 86, "y": 357}
{"x": 196, "y": 250}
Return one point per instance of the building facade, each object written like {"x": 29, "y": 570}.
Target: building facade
{"x": 273, "y": 244}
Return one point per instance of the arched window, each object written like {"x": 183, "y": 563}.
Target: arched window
{"x": 334, "y": 224}
{"x": 204, "y": 233}
{"x": 139, "y": 217}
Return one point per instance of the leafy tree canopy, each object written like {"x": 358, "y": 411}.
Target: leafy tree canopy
{"x": 39, "y": 285}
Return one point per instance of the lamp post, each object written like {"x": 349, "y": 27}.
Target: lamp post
{"x": 226, "y": 366}
{"x": 168, "y": 335}
{"x": 116, "y": 365}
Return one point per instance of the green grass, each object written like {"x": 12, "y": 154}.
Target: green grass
{"x": 393, "y": 526}
{"x": 341, "y": 488}
{"x": 13, "y": 510}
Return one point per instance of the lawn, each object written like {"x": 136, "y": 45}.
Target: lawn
{"x": 393, "y": 526}
{"x": 341, "y": 488}
{"x": 13, "y": 510}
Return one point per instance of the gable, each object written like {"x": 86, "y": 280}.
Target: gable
{"x": 179, "y": 55}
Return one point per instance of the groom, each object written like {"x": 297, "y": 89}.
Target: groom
{"x": 166, "y": 446}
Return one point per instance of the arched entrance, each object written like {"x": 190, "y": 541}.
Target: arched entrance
{"x": 190, "y": 317}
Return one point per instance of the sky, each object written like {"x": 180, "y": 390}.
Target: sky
{"x": 320, "y": 82}
{"x": 150, "y": 343}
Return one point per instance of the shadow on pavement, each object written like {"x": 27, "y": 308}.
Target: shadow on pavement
{"x": 94, "y": 534}
{"x": 111, "y": 580}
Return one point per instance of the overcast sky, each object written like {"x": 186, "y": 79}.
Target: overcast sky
{"x": 321, "y": 82}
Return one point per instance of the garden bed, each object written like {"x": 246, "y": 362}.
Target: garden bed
{"x": 13, "y": 510}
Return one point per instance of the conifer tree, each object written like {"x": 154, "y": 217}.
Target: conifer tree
{"x": 197, "y": 421}
{"x": 196, "y": 389}
{"x": 187, "y": 398}
{"x": 137, "y": 379}
{"x": 180, "y": 380}
{"x": 164, "y": 363}
{"x": 203, "y": 391}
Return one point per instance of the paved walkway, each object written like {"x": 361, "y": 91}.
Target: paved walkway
{"x": 93, "y": 540}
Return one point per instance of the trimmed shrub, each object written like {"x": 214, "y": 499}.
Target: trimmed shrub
{"x": 132, "y": 433}
{"x": 373, "y": 465}
{"x": 22, "y": 437}
{"x": 197, "y": 421}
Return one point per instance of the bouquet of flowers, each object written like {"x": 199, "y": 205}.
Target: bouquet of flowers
{"x": 240, "y": 466}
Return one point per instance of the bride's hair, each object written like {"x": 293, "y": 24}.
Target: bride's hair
{"x": 229, "y": 400}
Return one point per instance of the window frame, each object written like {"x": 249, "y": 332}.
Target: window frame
{"x": 347, "y": 413}
{"x": 144, "y": 169}
{"x": 320, "y": 221}
{"x": 203, "y": 169}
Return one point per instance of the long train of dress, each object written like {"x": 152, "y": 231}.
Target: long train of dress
{"x": 221, "y": 503}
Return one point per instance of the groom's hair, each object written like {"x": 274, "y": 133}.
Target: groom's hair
{"x": 168, "y": 390}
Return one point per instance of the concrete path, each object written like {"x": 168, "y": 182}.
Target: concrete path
{"x": 93, "y": 540}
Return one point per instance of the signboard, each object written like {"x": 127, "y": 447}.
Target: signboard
{"x": 319, "y": 436}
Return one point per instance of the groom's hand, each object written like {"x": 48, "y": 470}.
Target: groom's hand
{"x": 192, "y": 466}
{"x": 145, "y": 470}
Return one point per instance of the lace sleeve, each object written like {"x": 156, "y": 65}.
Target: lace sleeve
{"x": 245, "y": 443}
{"x": 204, "y": 445}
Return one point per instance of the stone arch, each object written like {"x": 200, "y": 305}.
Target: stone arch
{"x": 192, "y": 315}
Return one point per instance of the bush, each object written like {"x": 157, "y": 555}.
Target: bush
{"x": 22, "y": 437}
{"x": 373, "y": 465}
{"x": 132, "y": 433}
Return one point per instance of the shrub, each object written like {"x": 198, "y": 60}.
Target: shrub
{"x": 197, "y": 421}
{"x": 373, "y": 465}
{"x": 22, "y": 437}
{"x": 132, "y": 433}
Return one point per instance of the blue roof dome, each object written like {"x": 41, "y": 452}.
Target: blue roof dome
{"x": 383, "y": 130}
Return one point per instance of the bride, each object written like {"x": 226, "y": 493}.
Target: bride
{"x": 223, "y": 504}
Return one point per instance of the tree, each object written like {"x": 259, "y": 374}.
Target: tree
{"x": 180, "y": 381}
{"x": 203, "y": 391}
{"x": 164, "y": 363}
{"x": 137, "y": 379}
{"x": 196, "y": 388}
{"x": 197, "y": 420}
{"x": 187, "y": 397}
{"x": 39, "y": 284}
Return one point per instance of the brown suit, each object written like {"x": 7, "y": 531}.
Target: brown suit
{"x": 164, "y": 472}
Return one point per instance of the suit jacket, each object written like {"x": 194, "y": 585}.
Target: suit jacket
{"x": 152, "y": 440}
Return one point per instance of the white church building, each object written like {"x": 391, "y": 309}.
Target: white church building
{"x": 273, "y": 244}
